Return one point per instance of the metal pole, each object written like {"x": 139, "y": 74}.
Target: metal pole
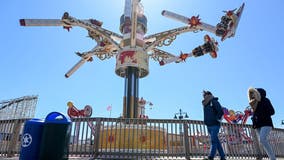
{"x": 131, "y": 93}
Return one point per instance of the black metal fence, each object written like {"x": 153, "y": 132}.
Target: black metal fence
{"x": 116, "y": 138}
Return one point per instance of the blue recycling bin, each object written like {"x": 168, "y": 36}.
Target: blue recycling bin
{"x": 55, "y": 137}
{"x": 31, "y": 138}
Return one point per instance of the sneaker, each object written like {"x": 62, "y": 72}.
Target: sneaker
{"x": 209, "y": 158}
{"x": 222, "y": 158}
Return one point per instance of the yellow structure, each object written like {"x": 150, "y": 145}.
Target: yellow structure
{"x": 132, "y": 137}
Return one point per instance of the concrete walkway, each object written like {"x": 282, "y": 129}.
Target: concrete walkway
{"x": 83, "y": 158}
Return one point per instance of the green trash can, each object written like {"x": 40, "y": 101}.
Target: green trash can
{"x": 55, "y": 137}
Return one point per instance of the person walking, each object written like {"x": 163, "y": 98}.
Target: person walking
{"x": 261, "y": 119}
{"x": 213, "y": 114}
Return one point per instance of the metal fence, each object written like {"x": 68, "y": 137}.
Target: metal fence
{"x": 115, "y": 138}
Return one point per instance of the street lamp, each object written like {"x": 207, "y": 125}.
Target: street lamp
{"x": 282, "y": 122}
{"x": 181, "y": 115}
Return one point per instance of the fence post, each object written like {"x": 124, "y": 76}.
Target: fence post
{"x": 14, "y": 138}
{"x": 186, "y": 140}
{"x": 97, "y": 137}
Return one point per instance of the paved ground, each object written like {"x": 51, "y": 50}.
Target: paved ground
{"x": 17, "y": 158}
{"x": 82, "y": 158}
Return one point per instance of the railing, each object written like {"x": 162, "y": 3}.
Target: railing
{"x": 10, "y": 137}
{"x": 114, "y": 138}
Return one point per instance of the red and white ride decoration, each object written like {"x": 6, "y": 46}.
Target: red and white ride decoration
{"x": 141, "y": 108}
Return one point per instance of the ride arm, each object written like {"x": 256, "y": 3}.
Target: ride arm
{"x": 164, "y": 57}
{"x": 194, "y": 21}
{"x": 209, "y": 46}
{"x": 225, "y": 29}
{"x": 41, "y": 22}
{"x": 51, "y": 22}
{"x": 165, "y": 38}
{"x": 68, "y": 22}
{"x": 87, "y": 56}
{"x": 207, "y": 27}
{"x": 105, "y": 34}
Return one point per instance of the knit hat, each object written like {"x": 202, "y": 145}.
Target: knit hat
{"x": 206, "y": 93}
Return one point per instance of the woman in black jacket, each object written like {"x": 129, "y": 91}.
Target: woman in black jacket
{"x": 261, "y": 119}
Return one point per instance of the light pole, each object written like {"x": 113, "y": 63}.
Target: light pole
{"x": 180, "y": 115}
{"x": 282, "y": 122}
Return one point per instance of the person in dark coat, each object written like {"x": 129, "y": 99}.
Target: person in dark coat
{"x": 213, "y": 114}
{"x": 261, "y": 119}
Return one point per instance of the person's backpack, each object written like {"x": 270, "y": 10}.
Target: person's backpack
{"x": 216, "y": 111}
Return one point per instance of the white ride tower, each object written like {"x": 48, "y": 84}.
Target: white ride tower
{"x": 132, "y": 49}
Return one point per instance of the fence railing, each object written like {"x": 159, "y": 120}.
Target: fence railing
{"x": 116, "y": 138}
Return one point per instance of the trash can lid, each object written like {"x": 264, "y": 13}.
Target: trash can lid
{"x": 56, "y": 117}
{"x": 34, "y": 120}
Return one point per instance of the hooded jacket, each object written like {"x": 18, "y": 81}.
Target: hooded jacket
{"x": 263, "y": 112}
{"x": 213, "y": 112}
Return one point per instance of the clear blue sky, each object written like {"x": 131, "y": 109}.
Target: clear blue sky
{"x": 35, "y": 59}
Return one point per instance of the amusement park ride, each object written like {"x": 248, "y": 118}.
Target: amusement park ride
{"x": 132, "y": 49}
{"x": 233, "y": 117}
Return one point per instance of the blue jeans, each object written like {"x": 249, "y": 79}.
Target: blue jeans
{"x": 262, "y": 134}
{"x": 215, "y": 142}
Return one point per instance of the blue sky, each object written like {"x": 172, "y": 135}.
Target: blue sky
{"x": 35, "y": 59}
